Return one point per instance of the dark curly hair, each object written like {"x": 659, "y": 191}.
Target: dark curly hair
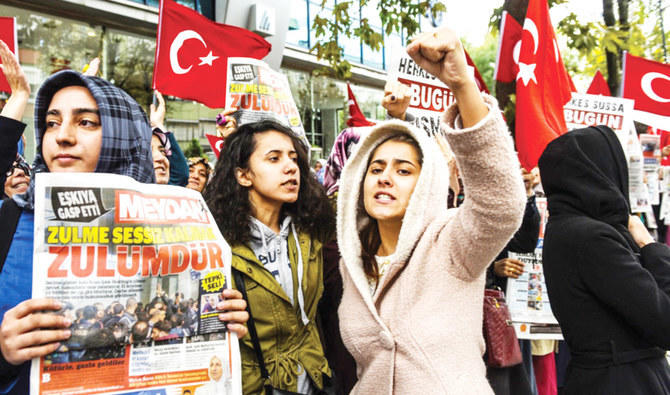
{"x": 229, "y": 201}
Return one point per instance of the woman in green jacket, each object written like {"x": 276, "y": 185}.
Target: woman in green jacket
{"x": 275, "y": 216}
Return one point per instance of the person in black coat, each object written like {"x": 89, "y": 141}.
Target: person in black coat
{"x": 608, "y": 281}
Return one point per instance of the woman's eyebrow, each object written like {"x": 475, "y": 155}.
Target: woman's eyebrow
{"x": 402, "y": 161}
{"x": 76, "y": 111}
{"x": 79, "y": 111}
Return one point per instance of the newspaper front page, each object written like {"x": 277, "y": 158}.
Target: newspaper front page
{"x": 527, "y": 295}
{"x": 261, "y": 93}
{"x": 139, "y": 269}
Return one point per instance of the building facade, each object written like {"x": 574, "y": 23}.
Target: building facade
{"x": 59, "y": 34}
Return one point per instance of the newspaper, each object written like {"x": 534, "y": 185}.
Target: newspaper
{"x": 139, "y": 269}
{"x": 638, "y": 191}
{"x": 261, "y": 93}
{"x": 527, "y": 296}
{"x": 651, "y": 151}
{"x": 528, "y": 301}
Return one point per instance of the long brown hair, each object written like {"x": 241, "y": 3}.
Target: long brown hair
{"x": 369, "y": 233}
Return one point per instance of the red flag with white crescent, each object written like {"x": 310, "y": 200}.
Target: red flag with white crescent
{"x": 8, "y": 35}
{"x": 543, "y": 86}
{"x": 648, "y": 83}
{"x": 216, "y": 142}
{"x": 507, "y": 60}
{"x": 192, "y": 52}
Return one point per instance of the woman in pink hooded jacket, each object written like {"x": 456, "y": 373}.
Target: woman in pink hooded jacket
{"x": 413, "y": 271}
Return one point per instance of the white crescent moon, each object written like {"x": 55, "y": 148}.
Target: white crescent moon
{"x": 647, "y": 79}
{"x": 219, "y": 145}
{"x": 176, "y": 45}
{"x": 529, "y": 26}
{"x": 516, "y": 52}
{"x": 556, "y": 51}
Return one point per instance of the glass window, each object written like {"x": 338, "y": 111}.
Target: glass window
{"x": 205, "y": 7}
{"x": 393, "y": 45}
{"x": 320, "y": 101}
{"x": 314, "y": 10}
{"x": 351, "y": 45}
{"x": 371, "y": 12}
{"x": 374, "y": 58}
{"x": 297, "y": 25}
{"x": 369, "y": 101}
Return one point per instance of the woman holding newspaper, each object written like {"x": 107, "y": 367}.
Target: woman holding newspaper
{"x": 83, "y": 123}
{"x": 275, "y": 216}
{"x": 406, "y": 257}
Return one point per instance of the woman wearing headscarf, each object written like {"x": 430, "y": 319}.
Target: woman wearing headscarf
{"x": 82, "y": 124}
{"x": 608, "y": 281}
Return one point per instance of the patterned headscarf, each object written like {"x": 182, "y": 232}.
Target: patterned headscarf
{"x": 165, "y": 141}
{"x": 126, "y": 134}
{"x": 342, "y": 148}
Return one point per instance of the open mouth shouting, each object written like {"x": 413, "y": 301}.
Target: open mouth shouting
{"x": 384, "y": 197}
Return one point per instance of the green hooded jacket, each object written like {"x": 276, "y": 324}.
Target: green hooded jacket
{"x": 286, "y": 343}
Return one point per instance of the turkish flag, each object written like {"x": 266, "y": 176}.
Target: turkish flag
{"x": 8, "y": 35}
{"x": 356, "y": 117}
{"x": 543, "y": 86}
{"x": 648, "y": 83}
{"x": 507, "y": 59}
{"x": 599, "y": 85}
{"x": 192, "y": 54}
{"x": 216, "y": 142}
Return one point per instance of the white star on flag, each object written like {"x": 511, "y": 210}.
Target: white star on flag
{"x": 208, "y": 59}
{"x": 526, "y": 73}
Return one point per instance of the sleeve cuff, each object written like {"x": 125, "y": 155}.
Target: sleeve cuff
{"x": 653, "y": 251}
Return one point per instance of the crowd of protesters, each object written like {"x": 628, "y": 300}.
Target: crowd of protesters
{"x": 382, "y": 294}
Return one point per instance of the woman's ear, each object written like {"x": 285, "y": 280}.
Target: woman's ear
{"x": 242, "y": 177}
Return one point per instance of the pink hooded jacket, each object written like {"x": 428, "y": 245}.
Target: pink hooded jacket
{"x": 421, "y": 333}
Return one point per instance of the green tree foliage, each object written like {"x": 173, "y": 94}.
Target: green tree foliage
{"x": 193, "y": 149}
{"x": 401, "y": 16}
{"x": 484, "y": 57}
{"x": 600, "y": 44}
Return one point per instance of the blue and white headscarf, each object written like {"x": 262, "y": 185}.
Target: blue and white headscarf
{"x": 126, "y": 134}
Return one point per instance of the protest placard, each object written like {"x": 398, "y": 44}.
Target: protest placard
{"x": 115, "y": 252}
{"x": 430, "y": 96}
{"x": 585, "y": 110}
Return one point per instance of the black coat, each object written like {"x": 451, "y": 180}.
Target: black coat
{"x": 611, "y": 298}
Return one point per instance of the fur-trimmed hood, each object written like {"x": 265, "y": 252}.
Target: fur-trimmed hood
{"x": 398, "y": 341}
{"x": 431, "y": 191}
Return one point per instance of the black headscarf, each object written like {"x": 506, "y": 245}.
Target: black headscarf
{"x": 585, "y": 172}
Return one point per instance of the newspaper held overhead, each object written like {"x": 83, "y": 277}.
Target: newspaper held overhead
{"x": 261, "y": 93}
{"x": 139, "y": 269}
